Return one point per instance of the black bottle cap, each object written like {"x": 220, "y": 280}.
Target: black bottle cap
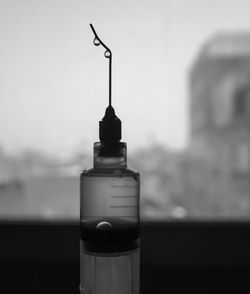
{"x": 110, "y": 126}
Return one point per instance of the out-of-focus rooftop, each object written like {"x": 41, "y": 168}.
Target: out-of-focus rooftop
{"x": 228, "y": 44}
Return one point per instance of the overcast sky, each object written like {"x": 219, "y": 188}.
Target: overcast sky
{"x": 54, "y": 81}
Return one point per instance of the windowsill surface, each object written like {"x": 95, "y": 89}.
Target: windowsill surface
{"x": 176, "y": 257}
{"x": 175, "y": 243}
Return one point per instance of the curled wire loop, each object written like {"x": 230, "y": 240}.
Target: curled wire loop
{"x": 108, "y": 54}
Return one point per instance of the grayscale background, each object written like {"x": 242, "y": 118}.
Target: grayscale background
{"x": 181, "y": 86}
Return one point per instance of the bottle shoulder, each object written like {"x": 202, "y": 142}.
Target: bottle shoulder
{"x": 110, "y": 172}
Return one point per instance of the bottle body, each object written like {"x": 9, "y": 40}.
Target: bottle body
{"x": 111, "y": 273}
{"x": 109, "y": 223}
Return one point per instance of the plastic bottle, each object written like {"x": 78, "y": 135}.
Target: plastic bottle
{"x": 109, "y": 213}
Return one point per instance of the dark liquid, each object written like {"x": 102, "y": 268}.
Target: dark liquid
{"x": 109, "y": 235}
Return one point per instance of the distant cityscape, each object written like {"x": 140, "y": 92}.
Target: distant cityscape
{"x": 210, "y": 179}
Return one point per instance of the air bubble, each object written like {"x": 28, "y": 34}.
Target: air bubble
{"x": 107, "y": 54}
{"x": 104, "y": 226}
{"x": 96, "y": 42}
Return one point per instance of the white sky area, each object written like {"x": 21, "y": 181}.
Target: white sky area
{"x": 54, "y": 81}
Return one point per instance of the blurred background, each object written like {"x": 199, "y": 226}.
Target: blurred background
{"x": 181, "y": 86}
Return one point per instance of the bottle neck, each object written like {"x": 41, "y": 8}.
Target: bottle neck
{"x": 110, "y": 155}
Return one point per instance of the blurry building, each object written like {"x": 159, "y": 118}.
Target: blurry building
{"x": 217, "y": 168}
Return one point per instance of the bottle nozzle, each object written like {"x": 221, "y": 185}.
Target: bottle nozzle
{"x": 110, "y": 126}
